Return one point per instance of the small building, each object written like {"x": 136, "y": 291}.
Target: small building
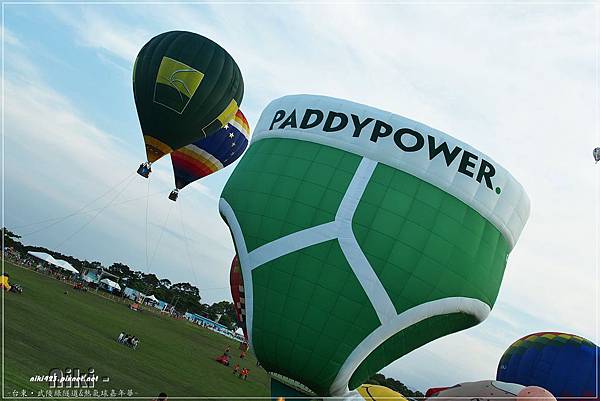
{"x": 90, "y": 276}
{"x": 94, "y": 275}
{"x": 133, "y": 294}
{"x": 212, "y": 325}
{"x": 161, "y": 305}
{"x": 108, "y": 285}
{"x": 151, "y": 300}
{"x": 203, "y": 321}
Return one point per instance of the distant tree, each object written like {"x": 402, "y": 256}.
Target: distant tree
{"x": 186, "y": 297}
{"x": 394, "y": 384}
{"x": 120, "y": 269}
{"x": 226, "y": 321}
{"x": 186, "y": 288}
{"x": 9, "y": 233}
{"x": 12, "y": 240}
{"x": 225, "y": 312}
{"x": 147, "y": 283}
{"x": 144, "y": 283}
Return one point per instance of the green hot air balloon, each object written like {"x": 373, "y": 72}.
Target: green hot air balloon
{"x": 363, "y": 235}
{"x": 186, "y": 87}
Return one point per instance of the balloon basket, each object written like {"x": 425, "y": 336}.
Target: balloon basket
{"x": 173, "y": 195}
{"x": 144, "y": 170}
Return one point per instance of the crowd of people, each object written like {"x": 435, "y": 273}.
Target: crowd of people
{"x": 127, "y": 339}
{"x": 36, "y": 265}
{"x": 14, "y": 256}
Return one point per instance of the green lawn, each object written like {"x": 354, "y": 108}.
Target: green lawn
{"x": 45, "y": 329}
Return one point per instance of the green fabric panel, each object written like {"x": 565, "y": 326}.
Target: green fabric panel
{"x": 283, "y": 185}
{"x": 425, "y": 244}
{"x": 407, "y": 340}
{"x": 310, "y": 312}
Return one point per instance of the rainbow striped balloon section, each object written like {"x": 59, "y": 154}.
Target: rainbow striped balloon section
{"x": 564, "y": 364}
{"x": 208, "y": 155}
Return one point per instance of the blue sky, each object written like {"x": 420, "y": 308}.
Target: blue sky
{"x": 518, "y": 82}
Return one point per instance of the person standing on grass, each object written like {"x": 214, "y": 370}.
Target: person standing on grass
{"x": 120, "y": 338}
{"x": 236, "y": 368}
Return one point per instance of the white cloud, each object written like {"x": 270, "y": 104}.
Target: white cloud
{"x": 66, "y": 161}
{"x": 98, "y": 30}
{"x": 454, "y": 359}
{"x": 516, "y": 81}
{"x": 10, "y": 39}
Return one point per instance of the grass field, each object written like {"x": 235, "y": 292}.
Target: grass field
{"x": 45, "y": 329}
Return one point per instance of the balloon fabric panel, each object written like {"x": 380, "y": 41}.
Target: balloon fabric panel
{"x": 211, "y": 154}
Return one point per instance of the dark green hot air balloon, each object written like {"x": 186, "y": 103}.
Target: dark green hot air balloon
{"x": 186, "y": 87}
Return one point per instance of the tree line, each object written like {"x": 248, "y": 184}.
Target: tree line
{"x": 185, "y": 297}
{"x": 395, "y": 385}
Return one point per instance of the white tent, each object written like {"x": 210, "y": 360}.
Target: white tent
{"x": 44, "y": 256}
{"x": 66, "y": 265}
{"x": 48, "y": 258}
{"x": 111, "y": 283}
{"x": 152, "y": 298}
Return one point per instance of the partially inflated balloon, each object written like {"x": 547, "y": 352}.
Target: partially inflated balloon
{"x": 491, "y": 390}
{"x": 434, "y": 390}
{"x": 186, "y": 87}
{"x": 363, "y": 235}
{"x": 534, "y": 393}
{"x": 374, "y": 392}
{"x": 564, "y": 364}
{"x": 236, "y": 283}
{"x": 365, "y": 392}
{"x": 208, "y": 155}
